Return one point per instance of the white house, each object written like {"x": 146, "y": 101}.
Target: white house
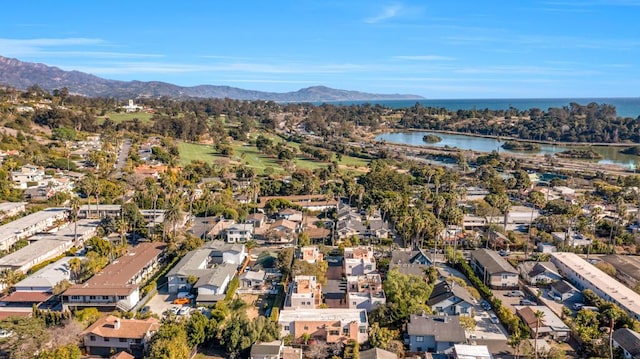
{"x": 239, "y": 233}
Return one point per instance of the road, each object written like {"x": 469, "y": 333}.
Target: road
{"x": 123, "y": 155}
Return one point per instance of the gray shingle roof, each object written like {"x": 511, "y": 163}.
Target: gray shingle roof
{"x": 628, "y": 340}
{"x": 492, "y": 262}
{"x": 443, "y": 328}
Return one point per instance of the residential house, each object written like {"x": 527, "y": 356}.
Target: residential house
{"x": 311, "y": 254}
{"x": 550, "y": 325}
{"x": 451, "y": 299}
{"x": 304, "y": 292}
{"x": 212, "y": 286}
{"x": 410, "y": 262}
{"x": 282, "y": 231}
{"x": 257, "y": 219}
{"x": 546, "y": 248}
{"x": 470, "y": 221}
{"x": 359, "y": 260}
{"x": 109, "y": 335}
{"x": 434, "y": 333}
{"x": 573, "y": 239}
{"x": 239, "y": 233}
{"x": 220, "y": 227}
{"x": 198, "y": 267}
{"x": 328, "y": 325}
{"x": 27, "y": 176}
{"x": 38, "y": 194}
{"x": 377, "y": 353}
{"x": 465, "y": 351}
{"x": 627, "y": 340}
{"x": 565, "y": 291}
{"x": 253, "y": 280}
{"x": 537, "y": 273}
{"x": 522, "y": 215}
{"x": 290, "y": 215}
{"x": 116, "y": 286}
{"x": 274, "y": 350}
{"x": 365, "y": 292}
{"x": 314, "y": 202}
{"x": 493, "y": 270}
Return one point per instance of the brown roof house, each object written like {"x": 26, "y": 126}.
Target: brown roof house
{"x": 111, "y": 335}
{"x": 117, "y": 285}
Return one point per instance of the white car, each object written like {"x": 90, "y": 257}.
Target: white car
{"x": 493, "y": 318}
{"x": 184, "y": 310}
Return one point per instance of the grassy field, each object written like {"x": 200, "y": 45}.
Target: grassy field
{"x": 250, "y": 155}
{"x": 123, "y": 116}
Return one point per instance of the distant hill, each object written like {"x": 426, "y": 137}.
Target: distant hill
{"x": 20, "y": 74}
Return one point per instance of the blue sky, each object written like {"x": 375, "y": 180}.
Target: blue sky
{"x": 433, "y": 48}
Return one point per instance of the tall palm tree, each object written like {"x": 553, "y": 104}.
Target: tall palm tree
{"x": 539, "y": 317}
{"x": 173, "y": 213}
{"x": 75, "y": 210}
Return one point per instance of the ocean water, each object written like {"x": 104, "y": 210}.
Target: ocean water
{"x": 625, "y": 106}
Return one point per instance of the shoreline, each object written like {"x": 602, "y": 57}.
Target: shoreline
{"x": 509, "y": 138}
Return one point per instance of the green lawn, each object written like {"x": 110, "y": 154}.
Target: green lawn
{"x": 123, "y": 116}
{"x": 249, "y": 154}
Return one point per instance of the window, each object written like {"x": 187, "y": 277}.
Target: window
{"x": 334, "y": 332}
{"x": 306, "y": 327}
{"x": 75, "y": 297}
{"x": 345, "y": 331}
{"x": 363, "y": 329}
{"x": 419, "y": 338}
{"x": 105, "y": 297}
{"x": 122, "y": 340}
{"x": 106, "y": 339}
{"x": 354, "y": 303}
{"x": 505, "y": 276}
{"x": 286, "y": 327}
{"x": 122, "y": 297}
{"x": 419, "y": 349}
{"x": 92, "y": 338}
{"x": 92, "y": 297}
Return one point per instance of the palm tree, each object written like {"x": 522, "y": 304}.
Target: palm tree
{"x": 75, "y": 210}
{"x": 539, "y": 317}
{"x": 612, "y": 313}
{"x": 173, "y": 213}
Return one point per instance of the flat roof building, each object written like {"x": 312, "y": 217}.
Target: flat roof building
{"x": 29, "y": 225}
{"x": 330, "y": 325}
{"x": 585, "y": 275}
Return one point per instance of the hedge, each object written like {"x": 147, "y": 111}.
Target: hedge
{"x": 232, "y": 288}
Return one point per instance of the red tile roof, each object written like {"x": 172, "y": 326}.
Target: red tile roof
{"x": 26, "y": 297}
{"x": 107, "y": 327}
{"x": 114, "y": 278}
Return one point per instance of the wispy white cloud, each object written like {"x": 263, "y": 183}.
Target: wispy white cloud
{"x": 424, "y": 58}
{"x": 387, "y": 13}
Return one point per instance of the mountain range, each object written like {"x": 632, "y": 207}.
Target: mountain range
{"x": 21, "y": 75}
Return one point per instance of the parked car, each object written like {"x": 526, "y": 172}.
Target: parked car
{"x": 485, "y": 305}
{"x": 514, "y": 293}
{"x": 184, "y": 310}
{"x": 181, "y": 301}
{"x": 493, "y": 318}
{"x": 185, "y": 295}
{"x": 527, "y": 302}
{"x": 578, "y": 306}
{"x": 145, "y": 309}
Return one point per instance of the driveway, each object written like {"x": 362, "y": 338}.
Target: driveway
{"x": 161, "y": 302}
{"x": 485, "y": 329}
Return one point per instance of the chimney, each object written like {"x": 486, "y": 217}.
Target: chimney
{"x": 116, "y": 324}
